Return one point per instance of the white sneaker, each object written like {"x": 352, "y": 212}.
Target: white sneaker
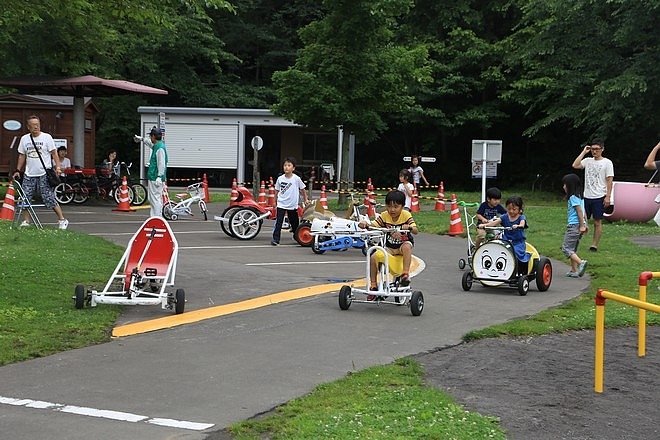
{"x": 64, "y": 223}
{"x": 24, "y": 224}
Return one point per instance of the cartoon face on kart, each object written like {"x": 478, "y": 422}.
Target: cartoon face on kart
{"x": 494, "y": 259}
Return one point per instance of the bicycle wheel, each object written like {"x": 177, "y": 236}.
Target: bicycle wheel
{"x": 139, "y": 194}
{"x": 203, "y": 209}
{"x": 63, "y": 193}
{"x": 168, "y": 211}
{"x": 80, "y": 193}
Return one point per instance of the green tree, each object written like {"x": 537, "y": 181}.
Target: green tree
{"x": 350, "y": 72}
{"x": 590, "y": 64}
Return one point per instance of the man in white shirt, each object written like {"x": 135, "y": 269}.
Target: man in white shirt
{"x": 32, "y": 145}
{"x": 598, "y": 182}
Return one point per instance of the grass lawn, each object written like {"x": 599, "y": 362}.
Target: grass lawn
{"x": 37, "y": 319}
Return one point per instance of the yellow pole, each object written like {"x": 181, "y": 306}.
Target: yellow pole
{"x": 641, "y": 325}
{"x": 600, "y": 342}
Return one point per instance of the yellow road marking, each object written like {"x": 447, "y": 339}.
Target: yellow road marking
{"x": 241, "y": 306}
{"x": 225, "y": 309}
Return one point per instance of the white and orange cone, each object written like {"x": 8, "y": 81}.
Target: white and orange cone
{"x": 323, "y": 199}
{"x": 124, "y": 204}
{"x": 414, "y": 203}
{"x": 262, "y": 195}
{"x": 455, "y": 225}
{"x": 440, "y": 203}
{"x": 8, "y": 206}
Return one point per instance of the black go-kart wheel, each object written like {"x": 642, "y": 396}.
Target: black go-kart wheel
{"x": 466, "y": 281}
{"x": 316, "y": 244}
{"x": 523, "y": 285}
{"x": 345, "y": 298}
{"x": 180, "y": 299}
{"x": 79, "y": 297}
{"x": 416, "y": 303}
{"x": 461, "y": 264}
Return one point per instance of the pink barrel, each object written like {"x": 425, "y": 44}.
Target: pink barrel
{"x": 633, "y": 201}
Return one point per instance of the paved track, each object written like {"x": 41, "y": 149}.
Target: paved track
{"x": 222, "y": 370}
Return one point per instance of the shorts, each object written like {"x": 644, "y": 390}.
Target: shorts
{"x": 30, "y": 185}
{"x": 571, "y": 240}
{"x": 594, "y": 208}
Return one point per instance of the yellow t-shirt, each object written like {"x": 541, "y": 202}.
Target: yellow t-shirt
{"x": 385, "y": 221}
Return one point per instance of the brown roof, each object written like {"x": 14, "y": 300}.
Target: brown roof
{"x": 80, "y": 86}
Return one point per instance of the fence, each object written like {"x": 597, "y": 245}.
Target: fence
{"x": 641, "y": 304}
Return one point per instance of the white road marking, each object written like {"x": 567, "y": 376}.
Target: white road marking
{"x": 289, "y": 263}
{"x": 105, "y": 414}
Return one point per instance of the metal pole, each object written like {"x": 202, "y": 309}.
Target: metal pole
{"x": 484, "y": 152}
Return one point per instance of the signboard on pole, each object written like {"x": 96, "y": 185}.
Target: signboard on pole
{"x": 424, "y": 159}
{"x": 491, "y": 169}
{"x": 485, "y": 152}
{"x": 493, "y": 151}
{"x": 161, "y": 122}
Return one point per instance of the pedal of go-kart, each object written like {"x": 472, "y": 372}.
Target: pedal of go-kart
{"x": 150, "y": 272}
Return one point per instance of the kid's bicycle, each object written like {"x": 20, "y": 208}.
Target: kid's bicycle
{"x": 194, "y": 194}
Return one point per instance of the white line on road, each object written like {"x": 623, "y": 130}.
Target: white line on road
{"x": 289, "y": 263}
{"x": 105, "y": 414}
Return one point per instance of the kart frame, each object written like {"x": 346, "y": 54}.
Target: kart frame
{"x": 145, "y": 271}
{"x": 390, "y": 290}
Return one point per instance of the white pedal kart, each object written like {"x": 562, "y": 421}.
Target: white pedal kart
{"x": 390, "y": 291}
{"x": 143, "y": 274}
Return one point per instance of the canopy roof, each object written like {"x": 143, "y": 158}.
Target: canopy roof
{"x": 80, "y": 86}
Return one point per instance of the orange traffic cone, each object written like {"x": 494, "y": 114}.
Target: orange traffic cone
{"x": 324, "y": 198}
{"x": 234, "y": 192}
{"x": 455, "y": 225}
{"x": 440, "y": 202}
{"x": 414, "y": 203}
{"x": 8, "y": 209}
{"x": 262, "y": 195}
{"x": 205, "y": 185}
{"x": 124, "y": 202}
{"x": 271, "y": 195}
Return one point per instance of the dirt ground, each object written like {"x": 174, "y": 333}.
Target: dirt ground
{"x": 543, "y": 387}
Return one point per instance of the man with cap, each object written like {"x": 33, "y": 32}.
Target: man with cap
{"x": 156, "y": 174}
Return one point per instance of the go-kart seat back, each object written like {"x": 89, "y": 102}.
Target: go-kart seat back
{"x": 152, "y": 249}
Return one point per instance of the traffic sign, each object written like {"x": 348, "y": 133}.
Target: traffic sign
{"x": 257, "y": 143}
{"x": 424, "y": 159}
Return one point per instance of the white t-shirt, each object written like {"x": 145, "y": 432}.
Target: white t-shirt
{"x": 288, "y": 191}
{"x": 416, "y": 173}
{"x": 596, "y": 173}
{"x": 402, "y": 188}
{"x": 64, "y": 164}
{"x": 45, "y": 144}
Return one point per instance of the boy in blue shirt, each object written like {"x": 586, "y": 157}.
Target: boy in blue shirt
{"x": 487, "y": 211}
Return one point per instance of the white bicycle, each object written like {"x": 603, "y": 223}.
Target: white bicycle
{"x": 194, "y": 194}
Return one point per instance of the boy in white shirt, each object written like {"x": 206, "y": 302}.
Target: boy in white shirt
{"x": 288, "y": 189}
